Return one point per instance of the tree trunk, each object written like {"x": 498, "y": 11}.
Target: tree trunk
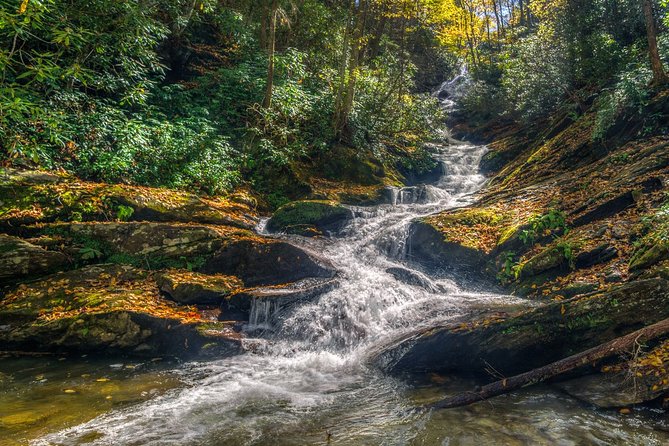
{"x": 659, "y": 75}
{"x": 267, "y": 102}
{"x": 354, "y": 63}
{"x": 615, "y": 347}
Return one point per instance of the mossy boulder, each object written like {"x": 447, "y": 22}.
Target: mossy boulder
{"x": 20, "y": 259}
{"x": 149, "y": 245}
{"x": 189, "y": 288}
{"x": 514, "y": 343}
{"x": 461, "y": 239}
{"x": 310, "y": 217}
{"x": 109, "y": 308}
{"x": 37, "y": 197}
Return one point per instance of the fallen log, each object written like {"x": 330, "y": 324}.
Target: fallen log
{"x": 602, "y": 351}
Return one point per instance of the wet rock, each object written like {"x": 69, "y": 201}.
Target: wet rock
{"x": 428, "y": 247}
{"x": 611, "y": 390}
{"x": 516, "y": 343}
{"x": 110, "y": 308}
{"x": 266, "y": 262}
{"x": 413, "y": 278}
{"x": 310, "y": 218}
{"x": 281, "y": 296}
{"x": 189, "y": 288}
{"x": 407, "y": 195}
{"x": 429, "y": 176}
{"x": 20, "y": 259}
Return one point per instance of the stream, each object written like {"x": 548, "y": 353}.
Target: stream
{"x": 306, "y": 378}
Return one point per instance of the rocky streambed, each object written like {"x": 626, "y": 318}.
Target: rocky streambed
{"x": 342, "y": 320}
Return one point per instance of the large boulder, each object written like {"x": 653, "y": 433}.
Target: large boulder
{"x": 519, "y": 342}
{"x": 310, "y": 217}
{"x": 428, "y": 246}
{"x": 258, "y": 261}
{"x": 20, "y": 259}
{"x": 108, "y": 308}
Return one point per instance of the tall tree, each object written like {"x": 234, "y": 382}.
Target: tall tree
{"x": 271, "y": 49}
{"x": 659, "y": 75}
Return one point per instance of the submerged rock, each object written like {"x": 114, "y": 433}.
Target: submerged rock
{"x": 110, "y": 308}
{"x": 310, "y": 218}
{"x": 20, "y": 259}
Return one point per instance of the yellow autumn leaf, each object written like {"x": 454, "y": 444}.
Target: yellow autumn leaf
{"x": 23, "y": 6}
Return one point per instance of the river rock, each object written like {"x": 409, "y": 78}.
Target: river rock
{"x": 611, "y": 390}
{"x": 281, "y": 296}
{"x": 20, "y": 259}
{"x": 519, "y": 342}
{"x": 188, "y": 288}
{"x": 413, "y": 278}
{"x": 428, "y": 247}
{"x": 266, "y": 262}
{"x": 310, "y": 217}
{"x": 110, "y": 308}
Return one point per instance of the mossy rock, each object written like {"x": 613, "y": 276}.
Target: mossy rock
{"x": 480, "y": 229}
{"x": 189, "y": 288}
{"x": 310, "y": 217}
{"x": 20, "y": 259}
{"x": 37, "y": 197}
{"x": 648, "y": 255}
{"x": 515, "y": 343}
{"x": 105, "y": 308}
{"x": 547, "y": 260}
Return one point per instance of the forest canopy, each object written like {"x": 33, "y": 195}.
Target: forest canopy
{"x": 211, "y": 94}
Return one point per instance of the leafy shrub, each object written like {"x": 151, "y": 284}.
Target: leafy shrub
{"x": 629, "y": 95}
{"x": 550, "y": 223}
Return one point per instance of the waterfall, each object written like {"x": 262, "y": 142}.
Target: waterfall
{"x": 310, "y": 363}
{"x": 261, "y": 313}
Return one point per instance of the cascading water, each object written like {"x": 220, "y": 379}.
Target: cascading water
{"x": 306, "y": 381}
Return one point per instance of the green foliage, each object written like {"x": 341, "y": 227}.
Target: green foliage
{"x": 549, "y": 224}
{"x": 566, "y": 250}
{"x": 511, "y": 268}
{"x": 124, "y": 213}
{"x": 629, "y": 96}
{"x": 90, "y": 253}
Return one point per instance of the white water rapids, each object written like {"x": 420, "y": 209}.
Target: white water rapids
{"x": 306, "y": 379}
